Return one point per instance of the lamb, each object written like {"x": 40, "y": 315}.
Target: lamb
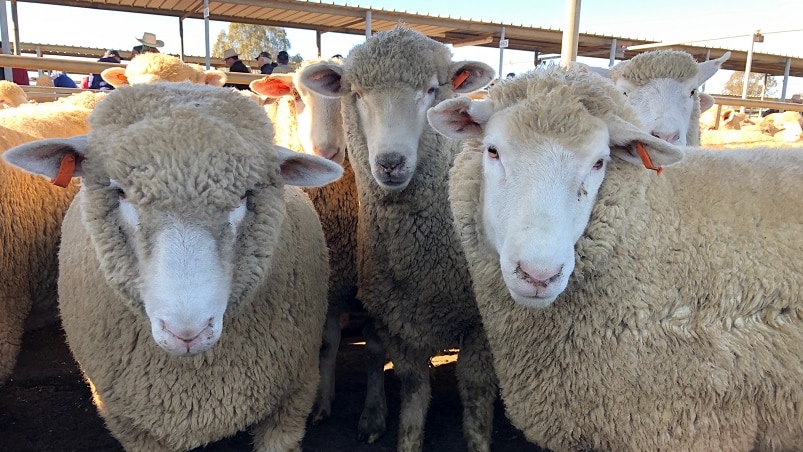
{"x": 628, "y": 311}
{"x": 154, "y": 67}
{"x": 412, "y": 275}
{"x": 193, "y": 279}
{"x": 662, "y": 86}
{"x": 307, "y": 122}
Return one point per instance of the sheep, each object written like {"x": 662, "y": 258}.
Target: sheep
{"x": 662, "y": 85}
{"x": 628, "y": 311}
{"x": 307, "y": 122}
{"x": 154, "y": 67}
{"x": 412, "y": 276}
{"x": 32, "y": 210}
{"x": 11, "y": 95}
{"x": 193, "y": 278}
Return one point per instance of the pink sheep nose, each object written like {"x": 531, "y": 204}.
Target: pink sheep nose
{"x": 538, "y": 278}
{"x": 669, "y": 138}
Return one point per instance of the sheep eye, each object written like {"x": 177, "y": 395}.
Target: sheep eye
{"x": 599, "y": 164}
{"x": 492, "y": 152}
{"x": 693, "y": 92}
{"x": 120, "y": 193}
{"x": 357, "y": 95}
{"x": 432, "y": 90}
{"x": 625, "y": 93}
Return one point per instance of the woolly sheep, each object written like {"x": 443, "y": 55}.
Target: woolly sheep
{"x": 628, "y": 311}
{"x": 11, "y": 95}
{"x": 31, "y": 210}
{"x": 662, "y": 86}
{"x": 183, "y": 235}
{"x": 412, "y": 274}
{"x": 155, "y": 67}
{"x": 307, "y": 122}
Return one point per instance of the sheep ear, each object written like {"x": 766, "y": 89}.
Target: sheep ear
{"x": 470, "y": 76}
{"x": 460, "y": 118}
{"x": 706, "y": 102}
{"x": 605, "y": 72}
{"x": 45, "y": 157}
{"x": 710, "y": 67}
{"x": 213, "y": 77}
{"x": 324, "y": 78}
{"x": 273, "y": 86}
{"x": 623, "y": 136}
{"x": 115, "y": 76}
{"x": 306, "y": 170}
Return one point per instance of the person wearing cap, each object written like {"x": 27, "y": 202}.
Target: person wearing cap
{"x": 95, "y": 80}
{"x": 148, "y": 44}
{"x": 284, "y": 63}
{"x": 234, "y": 63}
{"x": 265, "y": 62}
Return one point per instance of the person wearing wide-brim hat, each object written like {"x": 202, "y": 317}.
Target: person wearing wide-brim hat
{"x": 232, "y": 59}
{"x": 149, "y": 40}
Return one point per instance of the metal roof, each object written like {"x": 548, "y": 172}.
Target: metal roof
{"x": 328, "y": 17}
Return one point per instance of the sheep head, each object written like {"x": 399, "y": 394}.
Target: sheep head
{"x": 180, "y": 186}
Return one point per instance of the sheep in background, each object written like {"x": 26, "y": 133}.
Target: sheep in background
{"x": 412, "y": 274}
{"x": 31, "y": 210}
{"x": 307, "y": 122}
{"x": 11, "y": 95}
{"x": 184, "y": 235}
{"x": 663, "y": 87}
{"x": 156, "y": 67}
{"x": 628, "y": 311}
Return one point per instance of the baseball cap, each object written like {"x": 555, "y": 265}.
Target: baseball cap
{"x": 111, "y": 53}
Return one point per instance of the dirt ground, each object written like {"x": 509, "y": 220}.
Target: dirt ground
{"x": 46, "y": 407}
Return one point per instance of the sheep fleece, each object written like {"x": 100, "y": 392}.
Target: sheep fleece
{"x": 678, "y": 330}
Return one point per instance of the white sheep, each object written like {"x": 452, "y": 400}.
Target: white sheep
{"x": 412, "y": 274}
{"x": 193, "y": 281}
{"x": 629, "y": 311}
{"x": 663, "y": 87}
{"x": 305, "y": 121}
{"x": 156, "y": 67}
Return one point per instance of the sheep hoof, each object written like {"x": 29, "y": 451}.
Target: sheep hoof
{"x": 321, "y": 414}
{"x": 371, "y": 427}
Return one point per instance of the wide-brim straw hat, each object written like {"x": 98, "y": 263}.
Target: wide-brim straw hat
{"x": 149, "y": 39}
{"x": 230, "y": 53}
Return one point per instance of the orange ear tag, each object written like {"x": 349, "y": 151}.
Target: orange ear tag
{"x": 457, "y": 81}
{"x": 645, "y": 158}
{"x": 66, "y": 170}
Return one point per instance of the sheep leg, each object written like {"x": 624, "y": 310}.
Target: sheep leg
{"x": 328, "y": 361}
{"x": 284, "y": 429}
{"x": 375, "y": 411}
{"x": 14, "y": 311}
{"x": 411, "y": 366}
{"x": 477, "y": 385}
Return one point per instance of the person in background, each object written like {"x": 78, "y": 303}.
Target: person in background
{"x": 18, "y": 74}
{"x": 95, "y": 80}
{"x": 62, "y": 80}
{"x": 149, "y": 44}
{"x": 284, "y": 63}
{"x": 265, "y": 62}
{"x": 234, "y": 63}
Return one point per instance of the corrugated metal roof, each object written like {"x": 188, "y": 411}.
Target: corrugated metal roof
{"x": 328, "y": 17}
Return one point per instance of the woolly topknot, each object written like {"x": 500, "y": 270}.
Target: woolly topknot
{"x": 589, "y": 91}
{"x": 658, "y": 64}
{"x": 401, "y": 48}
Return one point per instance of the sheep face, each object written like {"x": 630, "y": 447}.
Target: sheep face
{"x": 664, "y": 106}
{"x": 538, "y": 192}
{"x": 387, "y": 85}
{"x": 545, "y": 145}
{"x": 183, "y": 198}
{"x": 318, "y": 118}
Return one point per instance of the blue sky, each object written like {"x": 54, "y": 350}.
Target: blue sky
{"x": 660, "y": 20}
